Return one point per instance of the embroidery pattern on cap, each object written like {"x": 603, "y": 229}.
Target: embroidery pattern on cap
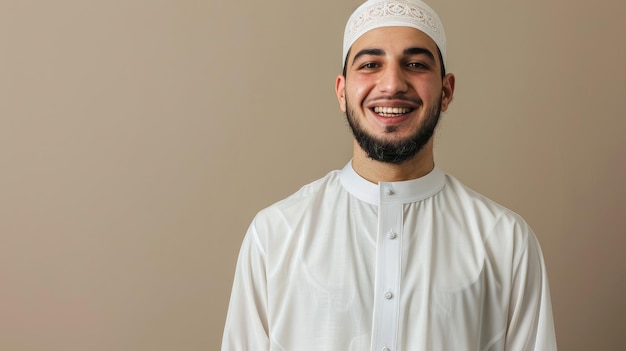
{"x": 395, "y": 9}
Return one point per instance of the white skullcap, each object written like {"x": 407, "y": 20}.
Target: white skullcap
{"x": 394, "y": 13}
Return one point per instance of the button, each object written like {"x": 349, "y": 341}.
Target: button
{"x": 386, "y": 349}
{"x": 388, "y": 295}
{"x": 392, "y": 235}
{"x": 390, "y": 192}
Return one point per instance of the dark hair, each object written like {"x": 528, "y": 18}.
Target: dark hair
{"x": 443, "y": 67}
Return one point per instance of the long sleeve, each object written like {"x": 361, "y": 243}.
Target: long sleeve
{"x": 530, "y": 325}
{"x": 468, "y": 273}
{"x": 246, "y": 326}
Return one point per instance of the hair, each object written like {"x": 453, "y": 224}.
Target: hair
{"x": 398, "y": 151}
{"x": 443, "y": 67}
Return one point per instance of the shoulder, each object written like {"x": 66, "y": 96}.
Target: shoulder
{"x": 475, "y": 201}
{"x": 297, "y": 204}
{"x": 503, "y": 233}
{"x": 489, "y": 215}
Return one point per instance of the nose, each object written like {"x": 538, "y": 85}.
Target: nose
{"x": 392, "y": 80}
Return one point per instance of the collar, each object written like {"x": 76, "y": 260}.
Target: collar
{"x": 407, "y": 191}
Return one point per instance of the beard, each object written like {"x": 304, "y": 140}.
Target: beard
{"x": 389, "y": 150}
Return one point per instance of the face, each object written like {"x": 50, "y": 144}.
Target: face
{"x": 393, "y": 92}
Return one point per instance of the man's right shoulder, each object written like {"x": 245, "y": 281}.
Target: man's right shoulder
{"x": 295, "y": 215}
{"x": 307, "y": 196}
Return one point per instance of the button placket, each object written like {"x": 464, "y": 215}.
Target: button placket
{"x": 388, "y": 270}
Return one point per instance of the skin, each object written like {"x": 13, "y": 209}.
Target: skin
{"x": 393, "y": 67}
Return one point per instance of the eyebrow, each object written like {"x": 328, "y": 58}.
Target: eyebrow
{"x": 371, "y": 52}
{"x": 407, "y": 52}
{"x": 419, "y": 51}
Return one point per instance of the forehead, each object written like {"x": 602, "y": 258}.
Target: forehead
{"x": 393, "y": 40}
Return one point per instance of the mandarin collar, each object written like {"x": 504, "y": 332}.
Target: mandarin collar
{"x": 407, "y": 191}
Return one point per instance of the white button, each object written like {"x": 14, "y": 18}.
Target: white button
{"x": 392, "y": 235}
{"x": 390, "y": 192}
{"x": 388, "y": 295}
{"x": 386, "y": 349}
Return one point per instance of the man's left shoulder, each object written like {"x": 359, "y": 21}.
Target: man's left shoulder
{"x": 479, "y": 206}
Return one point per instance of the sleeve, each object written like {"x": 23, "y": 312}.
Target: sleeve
{"x": 530, "y": 321}
{"x": 246, "y": 326}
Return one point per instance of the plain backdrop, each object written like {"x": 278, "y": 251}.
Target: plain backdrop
{"x": 138, "y": 138}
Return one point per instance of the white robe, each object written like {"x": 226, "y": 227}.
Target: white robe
{"x": 427, "y": 264}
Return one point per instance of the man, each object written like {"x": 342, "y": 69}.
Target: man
{"x": 390, "y": 253}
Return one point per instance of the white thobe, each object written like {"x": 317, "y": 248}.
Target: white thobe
{"x": 427, "y": 264}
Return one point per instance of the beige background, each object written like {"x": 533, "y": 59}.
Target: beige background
{"x": 138, "y": 138}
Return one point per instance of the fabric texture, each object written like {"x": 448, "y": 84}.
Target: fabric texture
{"x": 428, "y": 264}
{"x": 394, "y": 13}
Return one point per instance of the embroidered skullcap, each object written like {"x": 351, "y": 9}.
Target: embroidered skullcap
{"x": 394, "y": 13}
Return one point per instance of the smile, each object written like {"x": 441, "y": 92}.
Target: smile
{"x": 391, "y": 111}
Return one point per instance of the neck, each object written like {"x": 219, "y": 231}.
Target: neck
{"x": 376, "y": 171}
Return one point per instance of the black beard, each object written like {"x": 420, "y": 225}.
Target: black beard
{"x": 394, "y": 151}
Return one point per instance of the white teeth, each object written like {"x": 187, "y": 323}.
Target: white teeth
{"x": 391, "y": 110}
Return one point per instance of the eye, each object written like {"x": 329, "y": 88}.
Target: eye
{"x": 417, "y": 65}
{"x": 369, "y": 65}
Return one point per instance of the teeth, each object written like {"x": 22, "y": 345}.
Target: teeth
{"x": 383, "y": 111}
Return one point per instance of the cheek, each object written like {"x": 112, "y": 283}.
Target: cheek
{"x": 359, "y": 89}
{"x": 430, "y": 90}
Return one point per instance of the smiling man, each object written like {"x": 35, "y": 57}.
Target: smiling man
{"x": 390, "y": 253}
{"x": 393, "y": 91}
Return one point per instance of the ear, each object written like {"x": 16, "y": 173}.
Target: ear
{"x": 340, "y": 90}
{"x": 447, "y": 91}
